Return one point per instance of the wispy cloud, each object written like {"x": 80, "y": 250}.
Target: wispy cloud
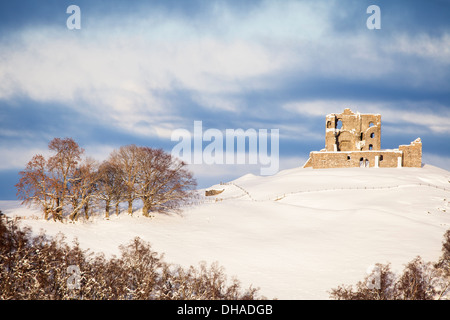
{"x": 136, "y": 71}
{"x": 434, "y": 117}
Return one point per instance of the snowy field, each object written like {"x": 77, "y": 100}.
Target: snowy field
{"x": 295, "y": 235}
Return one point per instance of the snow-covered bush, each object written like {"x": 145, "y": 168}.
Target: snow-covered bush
{"x": 419, "y": 281}
{"x": 38, "y": 267}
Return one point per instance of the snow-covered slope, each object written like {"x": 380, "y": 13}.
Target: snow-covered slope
{"x": 296, "y": 234}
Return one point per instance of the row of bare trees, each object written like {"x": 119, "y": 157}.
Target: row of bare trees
{"x": 67, "y": 184}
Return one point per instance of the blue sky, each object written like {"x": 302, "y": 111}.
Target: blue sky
{"x": 137, "y": 70}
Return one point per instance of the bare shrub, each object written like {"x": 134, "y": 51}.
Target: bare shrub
{"x": 378, "y": 285}
{"x": 444, "y": 261}
{"x": 419, "y": 281}
{"x": 37, "y": 268}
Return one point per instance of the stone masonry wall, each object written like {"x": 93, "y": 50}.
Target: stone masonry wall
{"x": 350, "y": 131}
{"x": 412, "y": 154}
{"x": 322, "y": 160}
{"x": 354, "y": 140}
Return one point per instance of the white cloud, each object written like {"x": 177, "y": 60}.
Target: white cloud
{"x": 435, "y": 49}
{"x": 423, "y": 114}
{"x": 283, "y": 21}
{"x": 120, "y": 73}
{"x": 121, "y": 80}
{"x": 300, "y": 133}
{"x": 16, "y": 157}
{"x": 320, "y": 108}
{"x": 119, "y": 66}
{"x": 435, "y": 120}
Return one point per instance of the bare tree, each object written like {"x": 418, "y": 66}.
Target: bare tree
{"x": 62, "y": 166}
{"x": 126, "y": 159}
{"x": 36, "y": 187}
{"x": 110, "y": 186}
{"x": 152, "y": 175}
{"x": 83, "y": 187}
{"x": 46, "y": 182}
{"x": 163, "y": 182}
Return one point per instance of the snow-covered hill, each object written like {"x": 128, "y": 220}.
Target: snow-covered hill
{"x": 296, "y": 234}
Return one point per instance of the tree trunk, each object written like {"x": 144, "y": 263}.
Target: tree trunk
{"x": 145, "y": 208}
{"x": 57, "y": 213}
{"x": 46, "y": 212}
{"x": 130, "y": 207}
{"x": 86, "y": 209}
{"x": 74, "y": 215}
{"x": 107, "y": 205}
{"x": 117, "y": 208}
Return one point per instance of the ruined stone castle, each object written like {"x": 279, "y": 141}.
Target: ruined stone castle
{"x": 354, "y": 140}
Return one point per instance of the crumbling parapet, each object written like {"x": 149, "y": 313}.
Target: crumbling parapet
{"x": 350, "y": 131}
{"x": 412, "y": 154}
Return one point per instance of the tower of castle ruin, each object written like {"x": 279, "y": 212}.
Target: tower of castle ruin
{"x": 354, "y": 140}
